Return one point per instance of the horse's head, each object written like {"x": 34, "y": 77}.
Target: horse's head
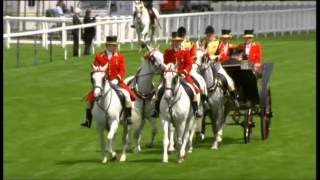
{"x": 171, "y": 80}
{"x": 139, "y": 7}
{"x": 155, "y": 57}
{"x": 202, "y": 59}
{"x": 98, "y": 77}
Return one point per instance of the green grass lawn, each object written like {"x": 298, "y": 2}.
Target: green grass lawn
{"x": 43, "y": 111}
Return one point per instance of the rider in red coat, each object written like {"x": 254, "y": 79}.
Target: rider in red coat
{"x": 116, "y": 73}
{"x": 251, "y": 50}
{"x": 181, "y": 56}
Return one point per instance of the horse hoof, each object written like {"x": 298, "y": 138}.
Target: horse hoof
{"x": 190, "y": 151}
{"x": 180, "y": 160}
{"x": 123, "y": 158}
{"x": 165, "y": 161}
{"x": 214, "y": 147}
{"x": 137, "y": 150}
{"x": 104, "y": 160}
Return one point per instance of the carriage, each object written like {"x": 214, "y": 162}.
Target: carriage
{"x": 254, "y": 96}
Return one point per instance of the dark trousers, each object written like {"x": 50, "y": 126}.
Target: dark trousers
{"x": 75, "y": 44}
{"x": 87, "y": 46}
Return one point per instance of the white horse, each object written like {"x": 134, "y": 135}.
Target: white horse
{"x": 107, "y": 111}
{"x": 142, "y": 22}
{"x": 142, "y": 85}
{"x": 175, "y": 107}
{"x": 217, "y": 107}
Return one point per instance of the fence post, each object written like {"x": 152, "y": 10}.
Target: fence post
{"x": 79, "y": 39}
{"x": 50, "y": 48}
{"x": 64, "y": 37}
{"x": 35, "y": 51}
{"x": 18, "y": 52}
{"x": 43, "y": 35}
{"x": 8, "y": 31}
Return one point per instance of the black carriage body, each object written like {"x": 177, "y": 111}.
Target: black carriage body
{"x": 251, "y": 100}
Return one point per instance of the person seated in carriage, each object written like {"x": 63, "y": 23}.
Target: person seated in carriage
{"x": 148, "y": 4}
{"x": 116, "y": 73}
{"x": 250, "y": 50}
{"x": 179, "y": 55}
{"x": 218, "y": 50}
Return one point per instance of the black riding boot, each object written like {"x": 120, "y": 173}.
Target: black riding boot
{"x": 234, "y": 97}
{"x": 156, "y": 110}
{"x": 205, "y": 102}
{"x": 128, "y": 116}
{"x": 88, "y": 121}
{"x": 196, "y": 109}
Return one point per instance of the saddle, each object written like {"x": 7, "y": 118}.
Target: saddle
{"x": 188, "y": 90}
{"x": 223, "y": 81}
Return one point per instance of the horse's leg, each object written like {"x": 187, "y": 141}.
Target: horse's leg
{"x": 192, "y": 131}
{"x": 138, "y": 135}
{"x": 165, "y": 125}
{"x": 100, "y": 128}
{"x": 172, "y": 138}
{"x": 183, "y": 134}
{"x": 111, "y": 136}
{"x": 154, "y": 130}
{"x": 125, "y": 140}
{"x": 219, "y": 120}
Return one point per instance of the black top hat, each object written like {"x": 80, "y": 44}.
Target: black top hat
{"x": 111, "y": 40}
{"x": 209, "y": 29}
{"x": 182, "y": 31}
{"x": 225, "y": 33}
{"x": 248, "y": 33}
{"x": 176, "y": 36}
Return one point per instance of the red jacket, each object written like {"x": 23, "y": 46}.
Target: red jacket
{"x": 254, "y": 52}
{"x": 182, "y": 57}
{"x": 116, "y": 68}
{"x": 224, "y": 54}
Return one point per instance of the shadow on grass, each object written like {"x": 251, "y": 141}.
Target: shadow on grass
{"x": 78, "y": 161}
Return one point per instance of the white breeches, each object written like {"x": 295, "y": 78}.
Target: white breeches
{"x": 229, "y": 80}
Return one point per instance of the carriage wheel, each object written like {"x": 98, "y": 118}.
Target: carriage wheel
{"x": 266, "y": 115}
{"x": 247, "y": 126}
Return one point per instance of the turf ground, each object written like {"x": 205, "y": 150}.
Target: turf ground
{"x": 43, "y": 110}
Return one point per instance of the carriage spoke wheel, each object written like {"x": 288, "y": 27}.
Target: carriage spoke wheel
{"x": 247, "y": 126}
{"x": 266, "y": 114}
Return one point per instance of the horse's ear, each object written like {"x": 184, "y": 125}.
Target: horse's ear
{"x": 104, "y": 67}
{"x": 94, "y": 67}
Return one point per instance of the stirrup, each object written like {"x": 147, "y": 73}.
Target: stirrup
{"x": 133, "y": 26}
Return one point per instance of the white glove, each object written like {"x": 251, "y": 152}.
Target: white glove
{"x": 114, "y": 82}
{"x": 182, "y": 75}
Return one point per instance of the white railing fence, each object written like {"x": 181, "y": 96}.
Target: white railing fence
{"x": 263, "y": 22}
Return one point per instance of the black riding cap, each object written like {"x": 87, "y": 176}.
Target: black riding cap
{"x": 248, "y": 33}
{"x": 225, "y": 33}
{"x": 209, "y": 29}
{"x": 176, "y": 36}
{"x": 112, "y": 40}
{"x": 182, "y": 31}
